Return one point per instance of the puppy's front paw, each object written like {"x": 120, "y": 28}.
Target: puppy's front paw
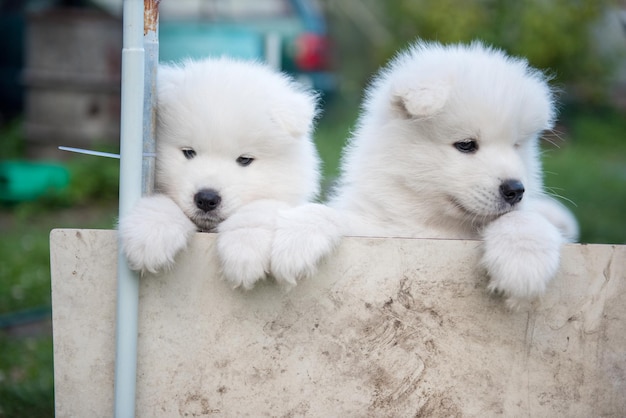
{"x": 153, "y": 232}
{"x": 244, "y": 254}
{"x": 558, "y": 215}
{"x": 244, "y": 243}
{"x": 521, "y": 255}
{"x": 304, "y": 235}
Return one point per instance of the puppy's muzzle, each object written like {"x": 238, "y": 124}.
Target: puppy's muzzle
{"x": 207, "y": 200}
{"x": 512, "y": 191}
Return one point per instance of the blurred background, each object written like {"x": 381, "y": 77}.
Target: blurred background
{"x": 60, "y": 85}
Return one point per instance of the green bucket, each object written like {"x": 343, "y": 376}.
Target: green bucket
{"x": 22, "y": 181}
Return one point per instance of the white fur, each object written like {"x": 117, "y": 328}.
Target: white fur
{"x": 224, "y": 109}
{"x": 304, "y": 235}
{"x": 403, "y": 176}
{"x": 521, "y": 254}
{"x": 148, "y": 244}
{"x": 245, "y": 242}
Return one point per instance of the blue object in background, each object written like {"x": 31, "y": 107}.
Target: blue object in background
{"x": 23, "y": 181}
{"x": 181, "y": 40}
{"x": 241, "y": 29}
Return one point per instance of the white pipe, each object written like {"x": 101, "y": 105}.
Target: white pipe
{"x": 272, "y": 50}
{"x": 130, "y": 192}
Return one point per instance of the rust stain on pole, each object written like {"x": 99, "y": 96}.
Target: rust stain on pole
{"x": 150, "y": 15}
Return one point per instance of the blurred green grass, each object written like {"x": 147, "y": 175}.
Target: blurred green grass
{"x": 589, "y": 169}
{"x": 332, "y": 131}
{"x": 26, "y": 363}
{"x": 587, "y": 166}
{"x": 26, "y": 370}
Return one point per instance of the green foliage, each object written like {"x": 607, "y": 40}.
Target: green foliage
{"x": 26, "y": 377}
{"x": 332, "y": 131}
{"x": 25, "y": 272}
{"x": 553, "y": 35}
{"x": 26, "y": 363}
{"x": 26, "y": 370}
{"x": 11, "y": 144}
{"x": 92, "y": 179}
{"x": 590, "y": 170}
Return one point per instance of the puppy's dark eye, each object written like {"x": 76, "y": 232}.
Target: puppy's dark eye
{"x": 467, "y": 146}
{"x": 244, "y": 161}
{"x": 189, "y": 153}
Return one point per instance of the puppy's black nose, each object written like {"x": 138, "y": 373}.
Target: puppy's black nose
{"x": 512, "y": 191}
{"x": 207, "y": 200}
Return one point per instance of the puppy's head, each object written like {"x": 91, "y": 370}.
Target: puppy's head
{"x": 230, "y": 132}
{"x": 464, "y": 121}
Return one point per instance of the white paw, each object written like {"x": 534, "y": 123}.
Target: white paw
{"x": 558, "y": 215}
{"x": 521, "y": 255}
{"x": 244, "y": 254}
{"x": 244, "y": 243}
{"x": 153, "y": 232}
{"x": 304, "y": 235}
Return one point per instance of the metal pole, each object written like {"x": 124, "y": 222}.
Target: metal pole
{"x": 151, "y": 45}
{"x": 130, "y": 191}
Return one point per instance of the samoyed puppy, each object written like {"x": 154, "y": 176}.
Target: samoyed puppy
{"x": 232, "y": 136}
{"x": 447, "y": 146}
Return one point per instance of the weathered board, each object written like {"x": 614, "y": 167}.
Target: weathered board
{"x": 388, "y": 328}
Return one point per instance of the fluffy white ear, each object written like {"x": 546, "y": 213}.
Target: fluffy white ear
{"x": 295, "y": 112}
{"x": 420, "y": 101}
{"x": 169, "y": 78}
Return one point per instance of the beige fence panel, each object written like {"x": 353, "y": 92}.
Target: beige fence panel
{"x": 389, "y": 327}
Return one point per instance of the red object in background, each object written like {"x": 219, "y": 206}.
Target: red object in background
{"x": 312, "y": 52}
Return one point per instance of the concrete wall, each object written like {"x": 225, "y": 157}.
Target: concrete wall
{"x": 389, "y": 328}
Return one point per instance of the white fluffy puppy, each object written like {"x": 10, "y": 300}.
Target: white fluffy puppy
{"x": 447, "y": 147}
{"x": 232, "y": 136}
